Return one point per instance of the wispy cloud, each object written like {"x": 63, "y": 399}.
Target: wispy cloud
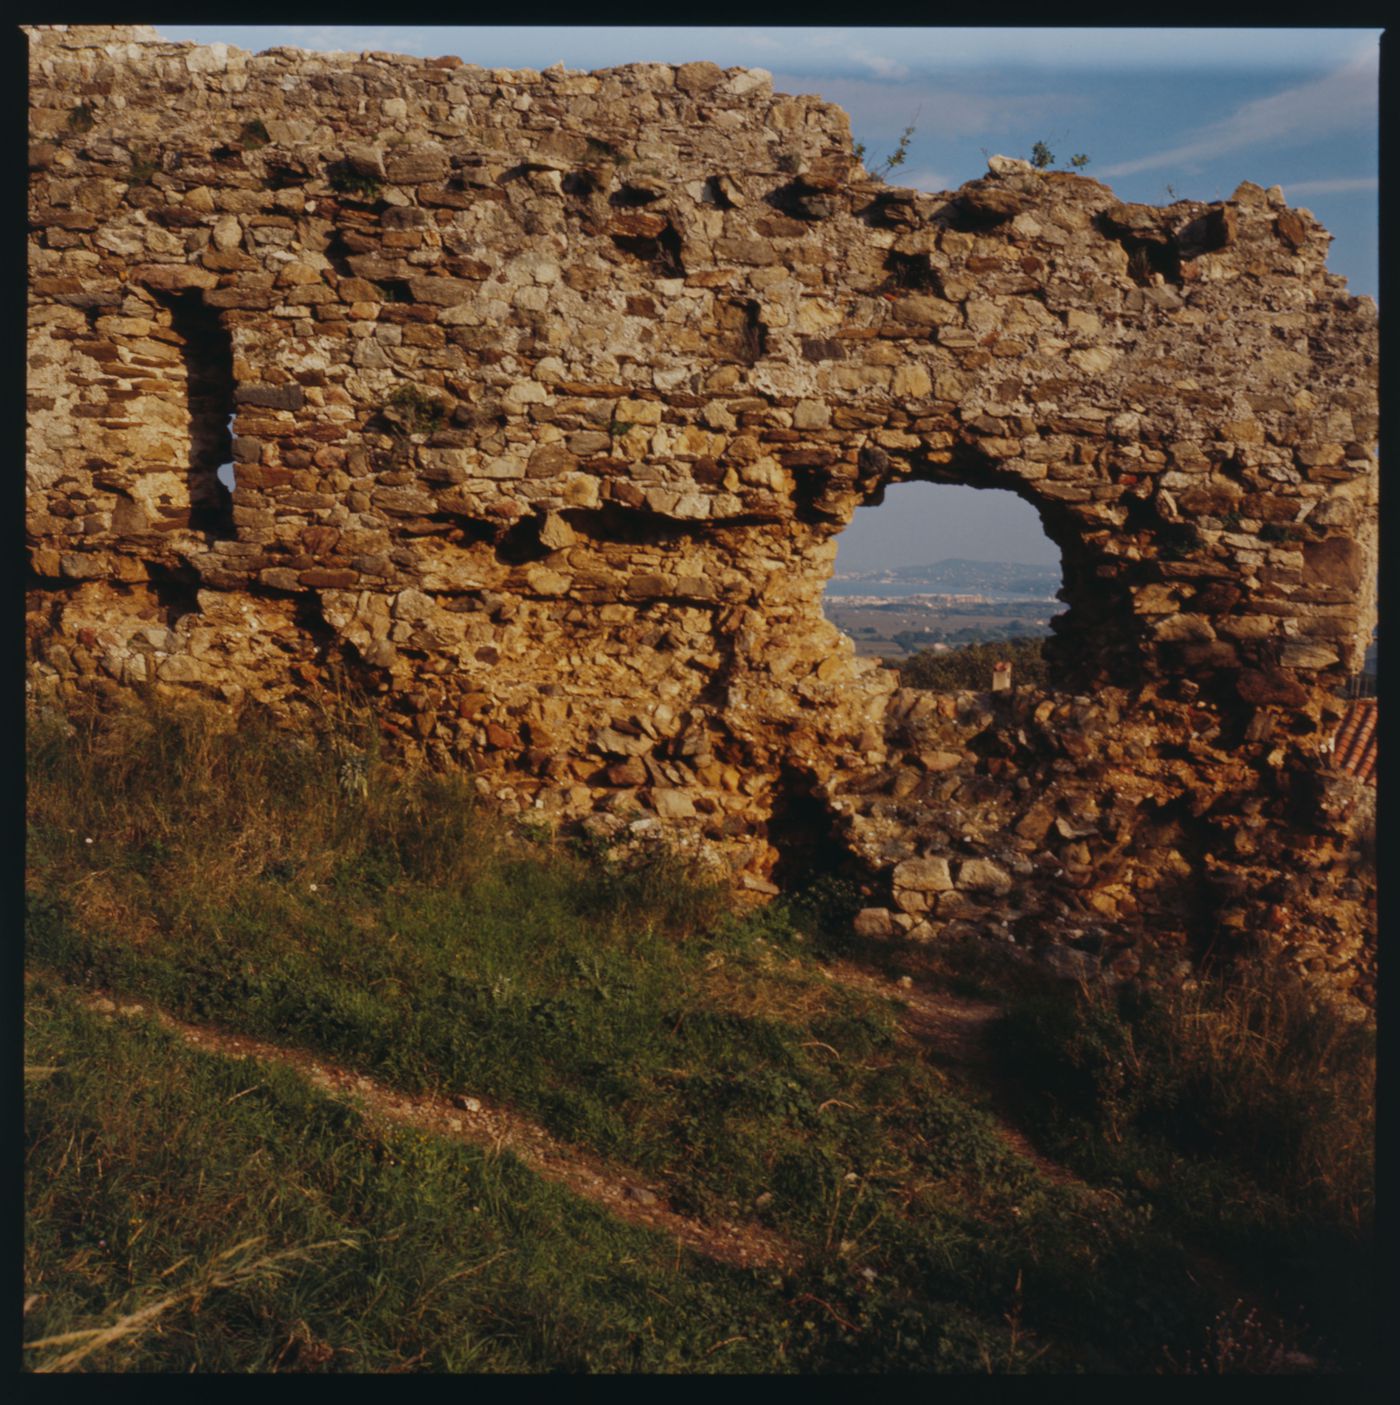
{"x": 857, "y": 55}
{"x": 1343, "y": 100}
{"x": 755, "y": 39}
{"x": 359, "y": 39}
{"x": 1336, "y": 185}
{"x": 921, "y": 180}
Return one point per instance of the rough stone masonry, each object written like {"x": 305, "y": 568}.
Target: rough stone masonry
{"x": 547, "y": 395}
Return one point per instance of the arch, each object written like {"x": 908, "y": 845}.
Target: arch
{"x": 924, "y": 552}
{"x": 1097, "y": 640}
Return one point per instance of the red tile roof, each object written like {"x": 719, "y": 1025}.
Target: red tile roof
{"x": 1354, "y": 748}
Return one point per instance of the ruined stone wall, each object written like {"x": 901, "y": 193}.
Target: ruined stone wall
{"x": 550, "y": 393}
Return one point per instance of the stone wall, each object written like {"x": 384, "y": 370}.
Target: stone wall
{"x": 550, "y": 393}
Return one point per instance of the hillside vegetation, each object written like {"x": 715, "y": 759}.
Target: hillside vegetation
{"x": 1198, "y": 1195}
{"x": 970, "y": 667}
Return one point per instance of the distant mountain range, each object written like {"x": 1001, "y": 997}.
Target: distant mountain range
{"x": 1003, "y": 580}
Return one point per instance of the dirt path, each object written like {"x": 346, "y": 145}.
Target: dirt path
{"x": 954, "y": 1028}
{"x": 479, "y": 1122}
{"x": 957, "y": 1030}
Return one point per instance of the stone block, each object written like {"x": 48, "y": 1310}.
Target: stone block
{"x": 927, "y": 875}
{"x": 982, "y": 875}
{"x": 271, "y": 397}
{"x": 874, "y": 922}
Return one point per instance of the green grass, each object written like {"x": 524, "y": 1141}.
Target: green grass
{"x": 150, "y": 1165}
{"x": 241, "y": 876}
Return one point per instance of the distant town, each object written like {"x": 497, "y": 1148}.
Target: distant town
{"x": 900, "y": 611}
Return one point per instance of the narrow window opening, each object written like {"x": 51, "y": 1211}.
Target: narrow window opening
{"x": 946, "y": 582}
{"x": 207, "y": 351}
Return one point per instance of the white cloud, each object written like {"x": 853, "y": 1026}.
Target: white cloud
{"x": 356, "y": 39}
{"x": 1335, "y": 185}
{"x": 1343, "y": 100}
{"x": 858, "y": 55}
{"x": 924, "y": 179}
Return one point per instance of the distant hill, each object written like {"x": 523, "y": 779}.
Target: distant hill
{"x": 954, "y": 576}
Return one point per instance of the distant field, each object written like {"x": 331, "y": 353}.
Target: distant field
{"x": 899, "y": 627}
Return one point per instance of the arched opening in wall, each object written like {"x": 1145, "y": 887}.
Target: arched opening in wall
{"x": 207, "y": 353}
{"x": 951, "y": 584}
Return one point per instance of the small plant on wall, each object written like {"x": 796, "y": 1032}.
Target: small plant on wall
{"x": 897, "y": 157}
{"x": 1042, "y": 158}
{"x": 414, "y": 411}
{"x": 345, "y": 180}
{"x": 81, "y": 119}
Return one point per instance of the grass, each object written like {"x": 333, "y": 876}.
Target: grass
{"x": 302, "y": 889}
{"x": 189, "y": 1212}
{"x": 1242, "y": 1108}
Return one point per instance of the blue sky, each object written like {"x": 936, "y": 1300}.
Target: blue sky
{"x": 1163, "y": 114}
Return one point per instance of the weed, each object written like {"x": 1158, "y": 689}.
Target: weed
{"x": 1242, "y": 1110}
{"x": 1240, "y": 1342}
{"x": 414, "y": 411}
{"x": 344, "y": 179}
{"x": 81, "y": 118}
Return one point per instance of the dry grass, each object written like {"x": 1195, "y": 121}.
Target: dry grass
{"x": 232, "y": 1268}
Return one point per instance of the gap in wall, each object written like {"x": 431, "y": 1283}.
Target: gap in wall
{"x": 207, "y": 350}
{"x": 937, "y": 566}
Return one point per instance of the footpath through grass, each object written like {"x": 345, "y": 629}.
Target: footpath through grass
{"x": 243, "y": 877}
